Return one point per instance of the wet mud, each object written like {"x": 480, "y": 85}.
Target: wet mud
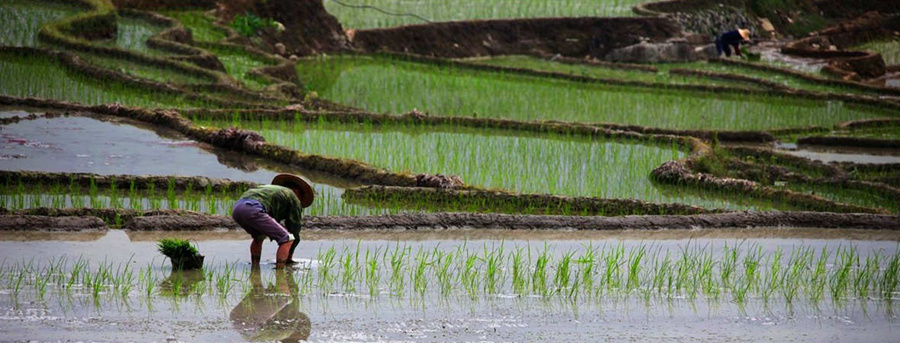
{"x": 175, "y": 221}
{"x": 47, "y": 223}
{"x": 179, "y": 183}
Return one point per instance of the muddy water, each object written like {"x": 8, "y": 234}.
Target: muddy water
{"x": 108, "y": 145}
{"x": 352, "y": 317}
{"x": 844, "y": 154}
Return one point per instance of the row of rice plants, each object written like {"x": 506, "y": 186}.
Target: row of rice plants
{"x": 367, "y": 14}
{"x": 527, "y": 163}
{"x": 44, "y": 77}
{"x": 149, "y": 72}
{"x": 599, "y": 71}
{"x": 404, "y": 86}
{"x": 238, "y": 64}
{"x": 860, "y": 197}
{"x": 23, "y": 19}
{"x": 201, "y": 26}
{"x": 16, "y": 195}
{"x": 734, "y": 273}
{"x": 133, "y": 34}
{"x": 784, "y": 79}
{"x": 888, "y": 48}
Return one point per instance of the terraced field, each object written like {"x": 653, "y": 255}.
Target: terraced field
{"x": 510, "y": 198}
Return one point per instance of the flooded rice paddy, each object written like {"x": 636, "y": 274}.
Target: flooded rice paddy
{"x": 455, "y": 286}
{"x": 405, "y": 86}
{"x": 523, "y": 163}
{"x": 22, "y": 19}
{"x": 113, "y": 146}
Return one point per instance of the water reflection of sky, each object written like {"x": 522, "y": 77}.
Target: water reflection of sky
{"x": 108, "y": 146}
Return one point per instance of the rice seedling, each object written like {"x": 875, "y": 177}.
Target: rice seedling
{"x": 43, "y": 77}
{"x": 144, "y": 71}
{"x": 772, "y": 76}
{"x": 640, "y": 272}
{"x": 133, "y": 33}
{"x": 526, "y": 163}
{"x": 360, "y": 14}
{"x": 24, "y": 19}
{"x": 660, "y": 78}
{"x": 238, "y": 64}
{"x": 442, "y": 90}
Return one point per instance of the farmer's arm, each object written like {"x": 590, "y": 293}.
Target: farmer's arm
{"x": 737, "y": 48}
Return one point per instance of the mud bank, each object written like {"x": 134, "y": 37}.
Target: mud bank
{"x": 142, "y": 182}
{"x": 677, "y": 173}
{"x": 572, "y": 37}
{"x": 47, "y": 223}
{"x": 736, "y": 220}
{"x": 608, "y": 131}
{"x": 830, "y": 43}
{"x": 484, "y": 201}
{"x": 233, "y": 139}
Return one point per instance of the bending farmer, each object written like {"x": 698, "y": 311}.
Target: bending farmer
{"x": 260, "y": 209}
{"x": 732, "y": 39}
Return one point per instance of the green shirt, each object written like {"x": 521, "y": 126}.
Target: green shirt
{"x": 280, "y": 203}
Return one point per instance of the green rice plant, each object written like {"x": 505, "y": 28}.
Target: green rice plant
{"x": 469, "y": 274}
{"x": 662, "y": 78}
{"x": 397, "y": 280}
{"x": 239, "y": 63}
{"x": 417, "y": 274}
{"x": 519, "y": 272}
{"x": 373, "y": 277}
{"x": 326, "y": 270}
{"x": 176, "y": 248}
{"x": 368, "y": 14}
{"x": 563, "y": 275}
{"x": 44, "y": 77}
{"x": 450, "y": 91}
{"x": 23, "y": 19}
{"x": 539, "y": 274}
{"x": 784, "y": 79}
{"x": 493, "y": 269}
{"x": 521, "y": 162}
{"x": 890, "y": 277}
{"x": 133, "y": 33}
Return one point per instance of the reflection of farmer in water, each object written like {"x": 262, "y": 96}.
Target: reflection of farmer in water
{"x": 260, "y": 209}
{"x": 273, "y": 313}
{"x": 732, "y": 40}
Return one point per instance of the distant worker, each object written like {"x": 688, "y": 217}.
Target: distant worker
{"x": 732, "y": 39}
{"x": 260, "y": 209}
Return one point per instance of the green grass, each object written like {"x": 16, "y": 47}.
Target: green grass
{"x": 44, "y": 77}
{"x": 22, "y": 20}
{"x": 784, "y": 79}
{"x": 238, "y": 63}
{"x": 438, "y": 10}
{"x": 528, "y": 163}
{"x": 662, "y": 78}
{"x": 382, "y": 85}
{"x": 889, "y": 49}
{"x": 201, "y": 26}
{"x": 149, "y": 72}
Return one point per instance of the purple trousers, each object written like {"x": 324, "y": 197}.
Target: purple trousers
{"x": 252, "y": 216}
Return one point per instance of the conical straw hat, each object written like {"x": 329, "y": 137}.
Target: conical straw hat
{"x": 296, "y": 183}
